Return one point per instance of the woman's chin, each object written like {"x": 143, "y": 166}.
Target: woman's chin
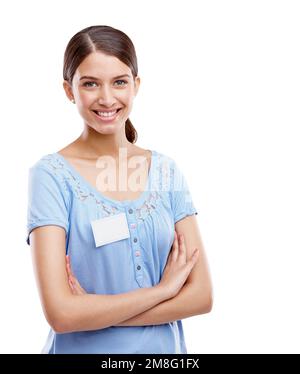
{"x": 107, "y": 129}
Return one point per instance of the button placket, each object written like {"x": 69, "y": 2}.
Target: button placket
{"x": 135, "y": 247}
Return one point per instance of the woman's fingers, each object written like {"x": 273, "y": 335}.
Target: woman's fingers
{"x": 182, "y": 249}
{"x": 73, "y": 281}
{"x": 75, "y": 286}
{"x": 69, "y": 270}
{"x": 175, "y": 247}
{"x": 179, "y": 249}
{"x": 175, "y": 244}
{"x": 193, "y": 259}
{"x": 71, "y": 285}
{"x": 71, "y": 277}
{"x": 182, "y": 252}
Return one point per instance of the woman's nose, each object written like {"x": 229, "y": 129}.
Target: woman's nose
{"x": 105, "y": 96}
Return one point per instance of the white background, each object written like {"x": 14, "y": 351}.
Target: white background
{"x": 220, "y": 94}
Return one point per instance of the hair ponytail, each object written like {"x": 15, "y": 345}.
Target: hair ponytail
{"x": 130, "y": 131}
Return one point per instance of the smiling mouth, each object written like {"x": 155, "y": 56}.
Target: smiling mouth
{"x": 112, "y": 112}
{"x": 107, "y": 115}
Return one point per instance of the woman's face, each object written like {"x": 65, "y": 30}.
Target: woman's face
{"x": 101, "y": 85}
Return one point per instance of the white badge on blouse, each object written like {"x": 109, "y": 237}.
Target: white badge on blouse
{"x": 110, "y": 229}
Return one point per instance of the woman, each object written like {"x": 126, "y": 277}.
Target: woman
{"x": 132, "y": 270}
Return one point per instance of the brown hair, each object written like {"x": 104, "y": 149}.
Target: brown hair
{"x": 108, "y": 40}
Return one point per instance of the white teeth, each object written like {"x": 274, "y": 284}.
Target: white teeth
{"x": 106, "y": 114}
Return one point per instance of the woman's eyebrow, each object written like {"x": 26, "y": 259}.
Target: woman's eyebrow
{"x": 90, "y": 77}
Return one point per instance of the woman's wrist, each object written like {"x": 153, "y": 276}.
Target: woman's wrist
{"x": 162, "y": 292}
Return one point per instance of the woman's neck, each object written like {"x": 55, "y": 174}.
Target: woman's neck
{"x": 94, "y": 145}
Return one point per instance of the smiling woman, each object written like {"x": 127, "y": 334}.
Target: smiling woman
{"x": 117, "y": 264}
{"x": 95, "y": 83}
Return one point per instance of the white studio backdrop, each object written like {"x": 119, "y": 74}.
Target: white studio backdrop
{"x": 220, "y": 94}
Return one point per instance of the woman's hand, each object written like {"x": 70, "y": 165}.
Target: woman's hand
{"x": 176, "y": 271}
{"x": 178, "y": 266}
{"x": 73, "y": 281}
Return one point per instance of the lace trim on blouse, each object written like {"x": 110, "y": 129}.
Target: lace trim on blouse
{"x": 161, "y": 176}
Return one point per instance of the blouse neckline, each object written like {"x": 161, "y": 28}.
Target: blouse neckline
{"x": 121, "y": 203}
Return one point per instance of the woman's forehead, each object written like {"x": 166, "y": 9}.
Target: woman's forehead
{"x": 101, "y": 66}
{"x": 100, "y": 63}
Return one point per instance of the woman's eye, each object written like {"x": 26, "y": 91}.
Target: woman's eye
{"x": 86, "y": 84}
{"x": 121, "y": 80}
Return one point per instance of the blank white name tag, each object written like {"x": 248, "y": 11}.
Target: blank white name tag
{"x": 110, "y": 229}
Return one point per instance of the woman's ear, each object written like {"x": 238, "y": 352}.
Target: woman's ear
{"x": 68, "y": 90}
{"x": 137, "y": 82}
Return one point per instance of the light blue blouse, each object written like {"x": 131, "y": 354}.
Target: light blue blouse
{"x": 59, "y": 195}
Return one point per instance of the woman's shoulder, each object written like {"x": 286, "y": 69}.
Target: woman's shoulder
{"x": 49, "y": 169}
{"x": 165, "y": 171}
{"x": 165, "y": 160}
{"x": 49, "y": 161}
{"x": 48, "y": 176}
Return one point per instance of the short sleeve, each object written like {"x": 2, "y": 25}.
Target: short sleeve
{"x": 182, "y": 202}
{"x": 47, "y": 200}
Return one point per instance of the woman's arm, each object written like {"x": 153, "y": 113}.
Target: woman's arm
{"x": 195, "y": 297}
{"x": 181, "y": 306}
{"x": 66, "y": 312}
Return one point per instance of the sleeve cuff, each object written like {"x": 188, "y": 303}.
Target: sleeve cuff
{"x": 185, "y": 214}
{"x": 44, "y": 223}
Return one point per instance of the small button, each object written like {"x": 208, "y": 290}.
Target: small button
{"x": 138, "y": 267}
{"x": 130, "y": 211}
{"x": 137, "y": 253}
{"x": 135, "y": 240}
